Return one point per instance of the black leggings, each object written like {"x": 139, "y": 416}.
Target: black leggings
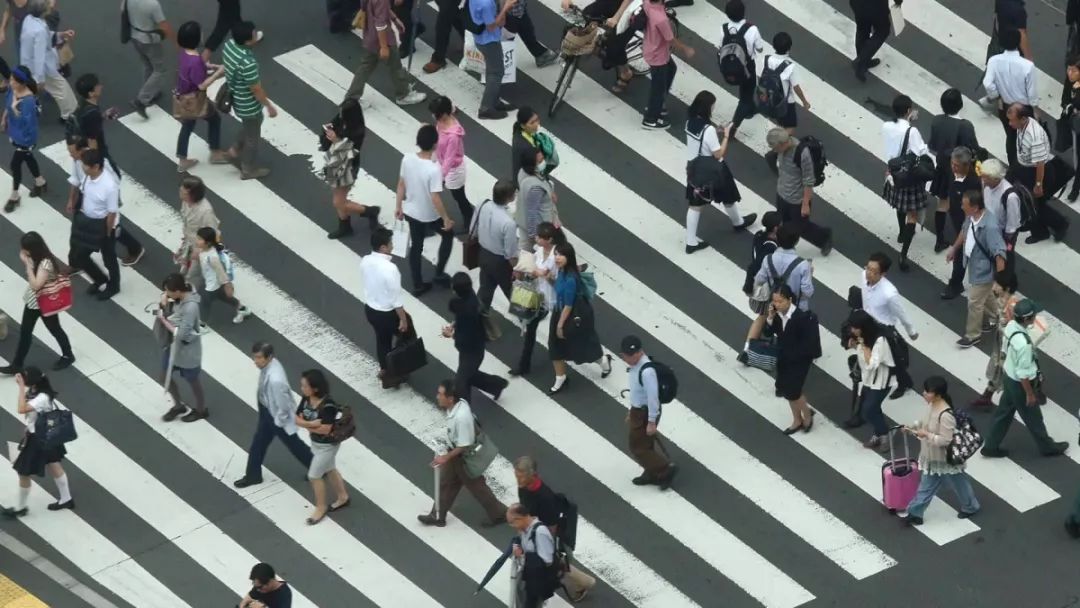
{"x": 18, "y": 157}
{"x": 26, "y": 335}
{"x": 463, "y": 205}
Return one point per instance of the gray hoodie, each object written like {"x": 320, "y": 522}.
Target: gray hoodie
{"x": 185, "y": 315}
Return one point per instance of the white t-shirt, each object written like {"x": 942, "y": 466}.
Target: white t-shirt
{"x": 422, "y": 177}
{"x": 101, "y": 196}
{"x": 40, "y": 403}
{"x": 702, "y": 146}
{"x": 208, "y": 266}
{"x": 790, "y": 76}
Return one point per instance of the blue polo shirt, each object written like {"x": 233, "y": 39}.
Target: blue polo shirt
{"x": 484, "y": 12}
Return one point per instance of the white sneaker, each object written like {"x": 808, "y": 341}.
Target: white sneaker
{"x": 241, "y": 314}
{"x": 410, "y": 98}
{"x": 204, "y": 329}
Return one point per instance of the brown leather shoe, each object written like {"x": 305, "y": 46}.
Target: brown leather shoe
{"x": 433, "y": 66}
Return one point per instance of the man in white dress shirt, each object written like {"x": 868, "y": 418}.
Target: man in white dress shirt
{"x": 1010, "y": 78}
{"x": 94, "y": 226}
{"x": 383, "y": 307}
{"x": 881, "y": 300}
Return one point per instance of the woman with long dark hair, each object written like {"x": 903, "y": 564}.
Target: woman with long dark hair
{"x": 450, "y": 152}
{"x": 317, "y": 413}
{"x": 41, "y": 267}
{"x": 37, "y": 396}
{"x": 935, "y": 433}
{"x": 572, "y": 333}
{"x": 702, "y": 140}
{"x": 470, "y": 338}
{"x": 340, "y": 141}
{"x": 20, "y": 120}
{"x": 875, "y": 363}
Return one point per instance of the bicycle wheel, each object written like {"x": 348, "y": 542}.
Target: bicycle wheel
{"x": 562, "y": 85}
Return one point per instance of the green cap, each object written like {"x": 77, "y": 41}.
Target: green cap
{"x": 1025, "y": 309}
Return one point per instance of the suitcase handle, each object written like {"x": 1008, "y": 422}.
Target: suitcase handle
{"x": 892, "y": 448}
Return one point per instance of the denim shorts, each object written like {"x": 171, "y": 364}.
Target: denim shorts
{"x": 189, "y": 374}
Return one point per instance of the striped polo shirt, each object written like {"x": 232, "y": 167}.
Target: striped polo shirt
{"x": 241, "y": 72}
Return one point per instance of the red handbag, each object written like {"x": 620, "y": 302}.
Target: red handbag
{"x": 55, "y": 296}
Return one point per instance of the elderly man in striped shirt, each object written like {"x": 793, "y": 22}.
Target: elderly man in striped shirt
{"x": 1033, "y": 155}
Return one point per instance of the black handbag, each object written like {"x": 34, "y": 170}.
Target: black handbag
{"x": 909, "y": 169}
{"x": 1063, "y": 140}
{"x": 55, "y": 428}
{"x": 582, "y": 318}
{"x": 407, "y": 357}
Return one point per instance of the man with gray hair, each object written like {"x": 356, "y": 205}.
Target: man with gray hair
{"x": 795, "y": 186}
{"x": 550, "y": 508}
{"x": 37, "y": 51}
{"x": 1003, "y": 202}
{"x": 276, "y": 416}
{"x": 1034, "y": 170}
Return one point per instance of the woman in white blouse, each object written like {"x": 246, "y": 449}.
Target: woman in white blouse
{"x": 543, "y": 278}
{"x": 876, "y": 363}
{"x": 36, "y": 396}
{"x": 899, "y": 137}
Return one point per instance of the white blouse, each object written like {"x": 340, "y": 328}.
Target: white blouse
{"x": 546, "y": 285}
{"x": 39, "y": 403}
{"x": 875, "y": 372}
{"x": 892, "y": 134}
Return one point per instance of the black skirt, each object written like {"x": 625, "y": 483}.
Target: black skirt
{"x": 943, "y": 179}
{"x": 790, "y": 377}
{"x": 583, "y": 347}
{"x": 33, "y": 457}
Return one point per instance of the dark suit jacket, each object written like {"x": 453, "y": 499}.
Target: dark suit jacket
{"x": 800, "y": 340}
{"x": 870, "y": 10}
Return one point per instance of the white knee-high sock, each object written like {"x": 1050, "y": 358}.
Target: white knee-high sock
{"x": 24, "y": 495}
{"x": 693, "y": 217}
{"x": 63, "y": 488}
{"x": 734, "y": 214}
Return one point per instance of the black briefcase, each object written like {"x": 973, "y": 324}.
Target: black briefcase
{"x": 407, "y": 357}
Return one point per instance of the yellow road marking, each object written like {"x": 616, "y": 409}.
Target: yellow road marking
{"x": 14, "y": 596}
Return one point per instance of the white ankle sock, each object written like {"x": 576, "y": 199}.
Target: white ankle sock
{"x": 559, "y": 380}
{"x": 746, "y": 346}
{"x": 24, "y": 495}
{"x": 693, "y": 217}
{"x": 734, "y": 214}
{"x": 63, "y": 488}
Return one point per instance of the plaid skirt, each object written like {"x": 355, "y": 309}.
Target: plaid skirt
{"x": 904, "y": 200}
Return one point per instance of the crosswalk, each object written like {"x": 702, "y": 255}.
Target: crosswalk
{"x": 756, "y": 518}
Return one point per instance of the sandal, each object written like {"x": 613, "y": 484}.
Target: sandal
{"x": 338, "y": 507}
{"x": 622, "y": 79}
{"x": 311, "y": 521}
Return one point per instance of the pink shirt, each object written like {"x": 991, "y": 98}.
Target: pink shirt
{"x": 658, "y": 34}
{"x": 451, "y": 147}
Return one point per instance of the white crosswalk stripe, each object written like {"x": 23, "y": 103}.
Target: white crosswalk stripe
{"x": 755, "y": 518}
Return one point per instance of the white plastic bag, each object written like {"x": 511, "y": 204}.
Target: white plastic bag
{"x": 473, "y": 60}
{"x": 400, "y": 242}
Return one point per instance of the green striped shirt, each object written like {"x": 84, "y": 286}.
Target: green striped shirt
{"x": 241, "y": 72}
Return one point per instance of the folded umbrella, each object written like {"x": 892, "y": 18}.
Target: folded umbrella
{"x": 495, "y": 567}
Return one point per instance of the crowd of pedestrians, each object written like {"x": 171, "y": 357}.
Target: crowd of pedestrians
{"x": 522, "y": 251}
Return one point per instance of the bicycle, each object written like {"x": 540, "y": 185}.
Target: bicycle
{"x": 587, "y": 35}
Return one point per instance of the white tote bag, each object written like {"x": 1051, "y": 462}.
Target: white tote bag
{"x": 400, "y": 241}
{"x": 473, "y": 59}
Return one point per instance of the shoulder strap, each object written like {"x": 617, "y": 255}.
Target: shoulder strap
{"x": 904, "y": 146}
{"x": 982, "y": 248}
{"x": 773, "y": 275}
{"x": 791, "y": 268}
{"x": 476, "y": 219}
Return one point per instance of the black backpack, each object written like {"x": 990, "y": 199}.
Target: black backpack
{"x": 770, "y": 94}
{"x": 733, "y": 56}
{"x": 667, "y": 383}
{"x": 1027, "y": 206}
{"x": 817, "y": 155}
{"x": 776, "y": 279}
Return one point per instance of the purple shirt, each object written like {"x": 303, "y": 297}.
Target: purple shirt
{"x": 190, "y": 73}
{"x": 378, "y": 19}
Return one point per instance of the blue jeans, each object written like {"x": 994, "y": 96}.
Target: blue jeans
{"x": 929, "y": 486}
{"x": 870, "y": 407}
{"x": 662, "y": 76}
{"x": 213, "y": 137}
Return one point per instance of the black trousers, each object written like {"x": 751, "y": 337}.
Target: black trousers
{"x": 80, "y": 260}
{"x": 523, "y": 26}
{"x": 19, "y": 156}
{"x": 747, "y": 106}
{"x": 449, "y": 19}
{"x": 464, "y": 206}
{"x": 896, "y": 343}
{"x": 418, "y": 232}
{"x": 870, "y": 34}
{"x": 30, "y": 318}
{"x": 1010, "y": 138}
{"x": 495, "y": 271}
{"x": 265, "y": 431}
{"x": 956, "y": 279}
{"x": 813, "y": 233}
{"x": 469, "y": 376}
{"x": 228, "y": 16}
{"x": 404, "y": 13}
{"x": 528, "y": 342}
{"x": 384, "y": 323}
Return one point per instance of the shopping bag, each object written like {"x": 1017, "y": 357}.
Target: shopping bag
{"x": 473, "y": 60}
{"x": 400, "y": 242}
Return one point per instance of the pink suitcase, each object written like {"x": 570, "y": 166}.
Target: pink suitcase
{"x": 899, "y": 476}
